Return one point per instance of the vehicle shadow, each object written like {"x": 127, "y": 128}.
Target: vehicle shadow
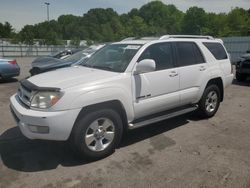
{"x": 8, "y": 80}
{"x": 137, "y": 135}
{"x": 21, "y": 154}
{"x": 245, "y": 83}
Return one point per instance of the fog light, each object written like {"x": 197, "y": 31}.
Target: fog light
{"x": 38, "y": 129}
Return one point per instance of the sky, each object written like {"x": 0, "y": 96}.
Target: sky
{"x": 21, "y": 12}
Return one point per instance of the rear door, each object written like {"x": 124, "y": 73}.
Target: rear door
{"x": 192, "y": 69}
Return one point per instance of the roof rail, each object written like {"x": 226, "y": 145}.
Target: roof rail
{"x": 129, "y": 38}
{"x": 186, "y": 36}
{"x": 141, "y": 38}
{"x": 149, "y": 38}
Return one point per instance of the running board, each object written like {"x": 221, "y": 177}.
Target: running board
{"x": 161, "y": 117}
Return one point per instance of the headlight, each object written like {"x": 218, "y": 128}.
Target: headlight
{"x": 45, "y": 99}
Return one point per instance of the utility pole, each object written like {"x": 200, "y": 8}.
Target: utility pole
{"x": 47, "y": 4}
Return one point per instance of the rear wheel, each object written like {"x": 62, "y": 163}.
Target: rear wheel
{"x": 210, "y": 101}
{"x": 240, "y": 77}
{"x": 97, "y": 134}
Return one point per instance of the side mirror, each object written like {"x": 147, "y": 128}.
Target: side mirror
{"x": 144, "y": 66}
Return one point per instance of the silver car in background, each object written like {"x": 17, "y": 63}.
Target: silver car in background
{"x": 8, "y": 68}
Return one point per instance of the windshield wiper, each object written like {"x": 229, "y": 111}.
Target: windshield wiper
{"x": 85, "y": 65}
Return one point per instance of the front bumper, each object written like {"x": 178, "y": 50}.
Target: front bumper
{"x": 243, "y": 67}
{"x": 244, "y": 71}
{"x": 59, "y": 123}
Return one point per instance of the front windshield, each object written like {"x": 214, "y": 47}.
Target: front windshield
{"x": 114, "y": 57}
{"x": 75, "y": 57}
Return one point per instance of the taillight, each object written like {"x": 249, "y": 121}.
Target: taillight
{"x": 13, "y": 62}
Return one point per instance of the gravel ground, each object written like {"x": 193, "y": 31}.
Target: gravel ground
{"x": 181, "y": 152}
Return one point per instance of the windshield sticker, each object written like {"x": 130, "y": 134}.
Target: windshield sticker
{"x": 132, "y": 47}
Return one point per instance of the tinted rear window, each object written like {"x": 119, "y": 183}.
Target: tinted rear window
{"x": 188, "y": 54}
{"x": 217, "y": 50}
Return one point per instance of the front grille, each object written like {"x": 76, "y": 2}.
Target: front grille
{"x": 24, "y": 95}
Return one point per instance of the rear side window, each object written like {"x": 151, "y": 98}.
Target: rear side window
{"x": 217, "y": 50}
{"x": 188, "y": 54}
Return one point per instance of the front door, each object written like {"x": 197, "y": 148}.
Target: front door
{"x": 158, "y": 90}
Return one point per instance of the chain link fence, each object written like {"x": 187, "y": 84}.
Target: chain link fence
{"x": 236, "y": 46}
{"x": 30, "y": 51}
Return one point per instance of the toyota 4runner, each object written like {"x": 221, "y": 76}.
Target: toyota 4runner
{"x": 125, "y": 85}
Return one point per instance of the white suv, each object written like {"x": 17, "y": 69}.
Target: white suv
{"x": 124, "y": 85}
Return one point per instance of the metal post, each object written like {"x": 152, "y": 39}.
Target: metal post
{"x": 47, "y": 4}
{"x": 2, "y": 50}
{"x": 21, "y": 49}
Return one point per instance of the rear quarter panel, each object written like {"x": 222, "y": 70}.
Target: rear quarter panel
{"x": 7, "y": 69}
{"x": 217, "y": 69}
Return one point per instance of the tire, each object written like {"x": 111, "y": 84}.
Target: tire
{"x": 209, "y": 102}
{"x": 92, "y": 138}
{"x": 35, "y": 71}
{"x": 241, "y": 77}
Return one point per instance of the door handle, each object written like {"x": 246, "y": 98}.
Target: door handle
{"x": 173, "y": 74}
{"x": 202, "y": 68}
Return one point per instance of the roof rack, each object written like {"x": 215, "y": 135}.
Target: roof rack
{"x": 186, "y": 36}
{"x": 141, "y": 38}
{"x": 129, "y": 38}
{"x": 149, "y": 38}
{"x": 164, "y": 37}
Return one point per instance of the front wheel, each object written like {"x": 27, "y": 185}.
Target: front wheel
{"x": 34, "y": 71}
{"x": 209, "y": 102}
{"x": 96, "y": 135}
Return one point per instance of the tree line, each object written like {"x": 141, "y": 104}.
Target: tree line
{"x": 152, "y": 19}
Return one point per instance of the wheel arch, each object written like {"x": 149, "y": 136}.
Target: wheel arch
{"x": 219, "y": 82}
{"x": 113, "y": 104}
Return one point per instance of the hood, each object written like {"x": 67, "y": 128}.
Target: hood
{"x": 45, "y": 61}
{"x": 71, "y": 76}
{"x": 49, "y": 66}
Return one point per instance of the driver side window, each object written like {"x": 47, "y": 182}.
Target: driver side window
{"x": 161, "y": 53}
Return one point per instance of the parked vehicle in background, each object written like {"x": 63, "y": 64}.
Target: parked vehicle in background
{"x": 66, "y": 53}
{"x": 59, "y": 55}
{"x": 243, "y": 67}
{"x": 52, "y": 63}
{"x": 9, "y": 68}
{"x": 124, "y": 85}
